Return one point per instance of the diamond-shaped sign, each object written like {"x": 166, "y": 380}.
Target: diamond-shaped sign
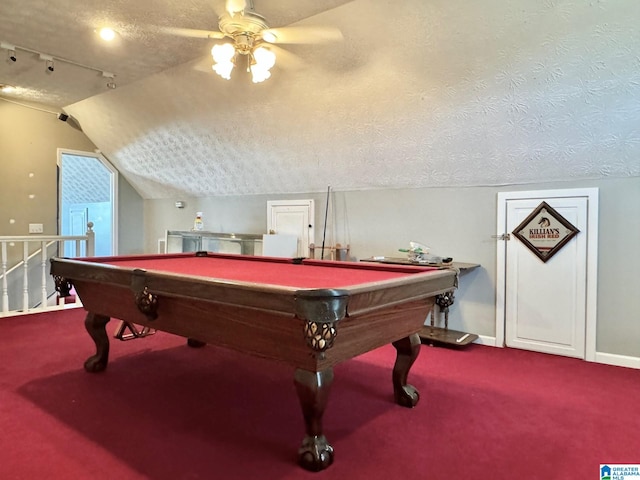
{"x": 545, "y": 231}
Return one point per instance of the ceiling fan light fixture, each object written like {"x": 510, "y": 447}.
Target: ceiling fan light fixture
{"x": 223, "y": 55}
{"x": 223, "y": 69}
{"x": 259, "y": 75}
{"x": 264, "y": 58}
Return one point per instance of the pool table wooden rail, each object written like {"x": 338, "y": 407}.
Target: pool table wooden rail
{"x": 259, "y": 319}
{"x": 362, "y": 297}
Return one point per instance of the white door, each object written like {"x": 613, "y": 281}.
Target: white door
{"x": 78, "y": 218}
{"x": 549, "y": 306}
{"x": 292, "y": 217}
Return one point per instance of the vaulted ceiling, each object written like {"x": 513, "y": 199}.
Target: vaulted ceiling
{"x": 418, "y": 93}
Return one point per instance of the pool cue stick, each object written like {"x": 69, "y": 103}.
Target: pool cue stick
{"x": 326, "y": 212}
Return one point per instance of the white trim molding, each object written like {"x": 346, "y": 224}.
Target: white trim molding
{"x": 617, "y": 360}
{"x": 599, "y": 357}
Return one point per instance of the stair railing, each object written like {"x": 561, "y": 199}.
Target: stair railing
{"x": 45, "y": 246}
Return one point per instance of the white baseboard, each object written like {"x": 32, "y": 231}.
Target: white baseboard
{"x": 617, "y": 360}
{"x": 601, "y": 357}
{"x": 486, "y": 340}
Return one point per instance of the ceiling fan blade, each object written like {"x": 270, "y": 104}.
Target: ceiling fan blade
{"x": 235, "y": 6}
{"x": 192, "y": 33}
{"x": 303, "y": 34}
{"x": 287, "y": 59}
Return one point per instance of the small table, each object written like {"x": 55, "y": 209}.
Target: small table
{"x": 311, "y": 314}
{"x": 430, "y": 333}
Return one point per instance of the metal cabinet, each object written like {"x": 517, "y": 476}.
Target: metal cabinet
{"x": 195, "y": 241}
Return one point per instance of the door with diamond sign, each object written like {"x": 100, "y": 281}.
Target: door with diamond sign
{"x": 548, "y": 305}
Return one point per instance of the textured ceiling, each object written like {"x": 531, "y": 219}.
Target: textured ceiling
{"x": 419, "y": 93}
{"x": 84, "y": 180}
{"x": 67, "y": 29}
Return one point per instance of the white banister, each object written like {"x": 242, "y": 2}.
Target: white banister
{"x": 30, "y": 265}
{"x": 91, "y": 240}
{"x": 25, "y": 278}
{"x": 5, "y": 287}
{"x": 43, "y": 282}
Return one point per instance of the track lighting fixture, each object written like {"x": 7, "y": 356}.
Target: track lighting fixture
{"x": 48, "y": 59}
{"x": 110, "y": 80}
{"x": 51, "y": 59}
{"x": 11, "y": 51}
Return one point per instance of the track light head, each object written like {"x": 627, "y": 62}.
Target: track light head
{"x": 48, "y": 59}
{"x": 111, "y": 80}
{"x": 11, "y": 50}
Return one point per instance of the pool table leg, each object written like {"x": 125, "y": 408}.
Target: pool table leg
{"x": 407, "y": 350}
{"x": 95, "y": 325}
{"x": 315, "y": 453}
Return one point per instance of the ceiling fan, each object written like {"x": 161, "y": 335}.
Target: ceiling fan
{"x": 253, "y": 39}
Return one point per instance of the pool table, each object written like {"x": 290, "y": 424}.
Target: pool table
{"x": 311, "y": 314}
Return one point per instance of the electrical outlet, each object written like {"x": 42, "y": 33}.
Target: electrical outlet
{"x": 35, "y": 228}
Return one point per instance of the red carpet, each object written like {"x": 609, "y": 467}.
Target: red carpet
{"x": 166, "y": 411}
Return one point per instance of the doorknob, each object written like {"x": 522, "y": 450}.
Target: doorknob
{"x": 502, "y": 236}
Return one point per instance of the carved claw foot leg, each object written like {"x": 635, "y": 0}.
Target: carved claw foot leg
{"x": 95, "y": 325}
{"x": 315, "y": 453}
{"x": 407, "y": 350}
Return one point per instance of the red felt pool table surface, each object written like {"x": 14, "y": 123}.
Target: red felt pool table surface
{"x": 310, "y": 314}
{"x": 265, "y": 270}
